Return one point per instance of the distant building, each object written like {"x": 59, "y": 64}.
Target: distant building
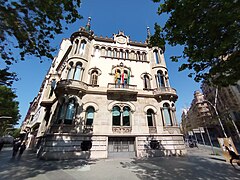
{"x": 228, "y": 106}
{"x": 105, "y": 97}
{"x": 197, "y": 115}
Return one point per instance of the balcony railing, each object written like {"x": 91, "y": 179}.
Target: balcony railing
{"x": 121, "y": 86}
{"x": 165, "y": 91}
{"x": 120, "y": 91}
{"x": 70, "y": 84}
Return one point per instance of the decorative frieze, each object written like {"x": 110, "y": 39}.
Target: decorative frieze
{"x": 121, "y": 130}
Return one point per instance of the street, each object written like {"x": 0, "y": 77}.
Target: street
{"x": 198, "y": 164}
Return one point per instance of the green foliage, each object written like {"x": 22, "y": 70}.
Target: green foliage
{"x": 7, "y": 78}
{"x": 209, "y": 32}
{"x": 157, "y": 39}
{"x": 8, "y": 107}
{"x": 16, "y": 133}
{"x": 27, "y": 26}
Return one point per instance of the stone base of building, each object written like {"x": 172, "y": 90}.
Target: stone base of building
{"x": 57, "y": 146}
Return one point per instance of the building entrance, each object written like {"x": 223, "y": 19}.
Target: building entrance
{"x": 121, "y": 147}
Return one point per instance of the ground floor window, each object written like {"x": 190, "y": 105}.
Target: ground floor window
{"x": 66, "y": 111}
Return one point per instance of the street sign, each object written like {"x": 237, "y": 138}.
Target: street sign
{"x": 196, "y": 130}
{"x": 190, "y": 133}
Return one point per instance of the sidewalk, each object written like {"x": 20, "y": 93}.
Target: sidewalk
{"x": 198, "y": 164}
{"x": 206, "y": 151}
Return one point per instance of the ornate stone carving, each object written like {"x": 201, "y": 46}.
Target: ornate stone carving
{"x": 121, "y": 130}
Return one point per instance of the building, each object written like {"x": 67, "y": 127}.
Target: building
{"x": 105, "y": 97}
{"x": 197, "y": 115}
{"x": 227, "y": 105}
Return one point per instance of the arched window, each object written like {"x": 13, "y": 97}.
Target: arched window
{"x": 115, "y": 53}
{"x": 146, "y": 82}
{"x": 103, "y": 51}
{"x": 156, "y": 56}
{"x": 90, "y": 115}
{"x": 116, "y": 116}
{"x": 61, "y": 113}
{"x": 121, "y": 54}
{"x": 109, "y": 52}
{"x": 117, "y": 77}
{"x": 127, "y": 54}
{"x": 166, "y": 80}
{"x": 76, "y": 46}
{"x": 66, "y": 112}
{"x": 125, "y": 81}
{"x": 150, "y": 117}
{"x": 132, "y": 55}
{"x": 94, "y": 77}
{"x": 77, "y": 73}
{"x": 70, "y": 111}
{"x": 71, "y": 71}
{"x": 96, "y": 51}
{"x": 160, "y": 79}
{"x": 144, "y": 56}
{"x": 166, "y": 114}
{"x": 126, "y": 116}
{"x": 138, "y": 55}
{"x": 121, "y": 118}
{"x": 82, "y": 47}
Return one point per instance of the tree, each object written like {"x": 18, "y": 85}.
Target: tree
{"x": 27, "y": 26}
{"x": 209, "y": 32}
{"x": 6, "y": 77}
{"x": 157, "y": 39}
{"x": 8, "y": 107}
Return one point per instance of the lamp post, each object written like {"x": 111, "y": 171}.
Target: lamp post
{"x": 216, "y": 112}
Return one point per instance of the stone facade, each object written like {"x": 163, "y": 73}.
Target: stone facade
{"x": 106, "y": 97}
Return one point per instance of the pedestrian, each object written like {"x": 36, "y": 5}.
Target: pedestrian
{"x": 16, "y": 145}
{"x": 1, "y": 143}
{"x": 22, "y": 149}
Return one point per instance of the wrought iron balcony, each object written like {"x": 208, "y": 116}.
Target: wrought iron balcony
{"x": 165, "y": 92}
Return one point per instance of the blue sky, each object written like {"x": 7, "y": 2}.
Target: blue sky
{"x": 108, "y": 17}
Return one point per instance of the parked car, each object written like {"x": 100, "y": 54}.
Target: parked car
{"x": 7, "y": 139}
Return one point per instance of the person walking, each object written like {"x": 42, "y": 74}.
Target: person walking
{"x": 16, "y": 145}
{"x": 22, "y": 149}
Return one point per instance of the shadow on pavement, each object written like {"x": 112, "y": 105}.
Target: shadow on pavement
{"x": 189, "y": 167}
{"x": 29, "y": 166}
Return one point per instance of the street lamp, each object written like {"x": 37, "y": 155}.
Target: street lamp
{"x": 216, "y": 112}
